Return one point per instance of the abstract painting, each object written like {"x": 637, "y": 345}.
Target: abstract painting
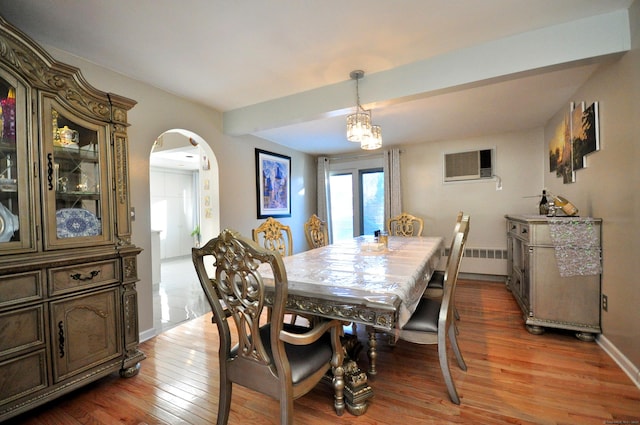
{"x": 273, "y": 184}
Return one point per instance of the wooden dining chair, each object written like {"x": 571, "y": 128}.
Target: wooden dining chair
{"x": 405, "y": 224}
{"x": 280, "y": 360}
{"x": 433, "y": 320}
{"x": 315, "y": 230}
{"x": 274, "y": 236}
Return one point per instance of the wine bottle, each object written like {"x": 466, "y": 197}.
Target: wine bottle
{"x": 567, "y": 207}
{"x": 544, "y": 204}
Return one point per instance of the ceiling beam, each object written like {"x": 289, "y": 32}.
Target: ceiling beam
{"x": 565, "y": 45}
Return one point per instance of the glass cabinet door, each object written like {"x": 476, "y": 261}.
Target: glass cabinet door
{"x": 16, "y": 214}
{"x": 76, "y": 179}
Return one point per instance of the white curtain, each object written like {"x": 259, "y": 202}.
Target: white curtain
{"x": 392, "y": 189}
{"x": 323, "y": 192}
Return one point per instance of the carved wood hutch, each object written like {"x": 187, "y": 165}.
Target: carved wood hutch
{"x": 68, "y": 303}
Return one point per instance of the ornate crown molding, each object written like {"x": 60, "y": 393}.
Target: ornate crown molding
{"x": 43, "y": 72}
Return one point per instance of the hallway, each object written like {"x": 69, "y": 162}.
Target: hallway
{"x": 179, "y": 297}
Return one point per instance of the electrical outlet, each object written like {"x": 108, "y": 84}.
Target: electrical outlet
{"x": 605, "y": 302}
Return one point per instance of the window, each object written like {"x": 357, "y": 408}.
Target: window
{"x": 372, "y": 201}
{"x": 341, "y": 189}
{"x": 357, "y": 199}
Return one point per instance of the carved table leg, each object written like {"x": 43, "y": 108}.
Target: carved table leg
{"x": 357, "y": 391}
{"x": 373, "y": 353}
{"x": 338, "y": 387}
{"x": 352, "y": 391}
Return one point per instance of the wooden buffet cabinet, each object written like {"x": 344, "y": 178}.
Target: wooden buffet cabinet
{"x": 546, "y": 298}
{"x": 68, "y": 269}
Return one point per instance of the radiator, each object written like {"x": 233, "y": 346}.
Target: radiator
{"x": 492, "y": 261}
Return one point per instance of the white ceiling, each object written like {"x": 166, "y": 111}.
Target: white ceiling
{"x": 237, "y": 55}
{"x": 185, "y": 157}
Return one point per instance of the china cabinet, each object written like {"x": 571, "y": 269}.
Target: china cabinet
{"x": 68, "y": 269}
{"x": 556, "y": 283}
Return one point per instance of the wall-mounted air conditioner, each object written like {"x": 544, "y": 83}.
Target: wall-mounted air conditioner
{"x": 469, "y": 165}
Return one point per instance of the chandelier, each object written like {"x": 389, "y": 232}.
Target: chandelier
{"x": 359, "y": 127}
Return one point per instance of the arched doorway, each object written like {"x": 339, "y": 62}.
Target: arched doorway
{"x": 185, "y": 211}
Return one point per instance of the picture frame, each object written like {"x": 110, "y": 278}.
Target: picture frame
{"x": 564, "y": 168}
{"x": 273, "y": 184}
{"x": 577, "y": 136}
{"x": 591, "y": 128}
{"x": 556, "y": 144}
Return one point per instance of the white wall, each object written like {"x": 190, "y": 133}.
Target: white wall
{"x": 518, "y": 163}
{"x": 238, "y": 205}
{"x": 172, "y": 210}
{"x": 608, "y": 188}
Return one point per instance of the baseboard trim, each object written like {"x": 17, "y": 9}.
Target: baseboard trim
{"x": 625, "y": 364}
{"x": 148, "y": 334}
{"x": 479, "y": 276}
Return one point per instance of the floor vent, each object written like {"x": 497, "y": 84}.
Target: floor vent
{"x": 488, "y": 253}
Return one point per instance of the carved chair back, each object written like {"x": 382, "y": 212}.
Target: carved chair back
{"x": 315, "y": 230}
{"x": 405, "y": 224}
{"x": 238, "y": 297}
{"x": 274, "y": 236}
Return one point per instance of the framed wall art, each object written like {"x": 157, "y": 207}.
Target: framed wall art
{"x": 591, "y": 128}
{"x": 574, "y": 139}
{"x": 577, "y": 136}
{"x": 564, "y": 168}
{"x": 557, "y": 143}
{"x": 273, "y": 184}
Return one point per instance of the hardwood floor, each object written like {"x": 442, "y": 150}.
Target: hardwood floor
{"x": 513, "y": 377}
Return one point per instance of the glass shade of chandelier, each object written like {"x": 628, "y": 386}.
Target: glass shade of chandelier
{"x": 359, "y": 127}
{"x": 373, "y": 141}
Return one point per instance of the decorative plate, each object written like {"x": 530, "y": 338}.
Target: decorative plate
{"x": 74, "y": 222}
{"x": 9, "y": 223}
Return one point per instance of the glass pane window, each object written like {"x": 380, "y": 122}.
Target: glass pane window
{"x": 76, "y": 178}
{"x": 9, "y": 151}
{"x": 341, "y": 190}
{"x": 372, "y": 192}
{"x": 357, "y": 202}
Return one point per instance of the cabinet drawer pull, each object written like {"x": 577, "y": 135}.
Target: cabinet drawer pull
{"x": 524, "y": 231}
{"x": 50, "y": 170}
{"x": 61, "y": 338}
{"x": 79, "y": 276}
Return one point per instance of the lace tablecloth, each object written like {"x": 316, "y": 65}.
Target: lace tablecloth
{"x": 347, "y": 272}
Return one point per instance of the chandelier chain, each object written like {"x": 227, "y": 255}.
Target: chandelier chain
{"x": 359, "y": 128}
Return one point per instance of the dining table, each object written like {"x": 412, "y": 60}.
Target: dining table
{"x": 364, "y": 281}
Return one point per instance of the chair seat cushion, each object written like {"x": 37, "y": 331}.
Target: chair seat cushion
{"x": 436, "y": 281}
{"x": 425, "y": 318}
{"x": 303, "y": 359}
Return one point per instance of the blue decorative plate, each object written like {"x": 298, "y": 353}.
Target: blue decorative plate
{"x": 74, "y": 222}
{"x": 9, "y": 223}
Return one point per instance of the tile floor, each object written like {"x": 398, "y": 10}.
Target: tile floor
{"x": 178, "y": 297}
